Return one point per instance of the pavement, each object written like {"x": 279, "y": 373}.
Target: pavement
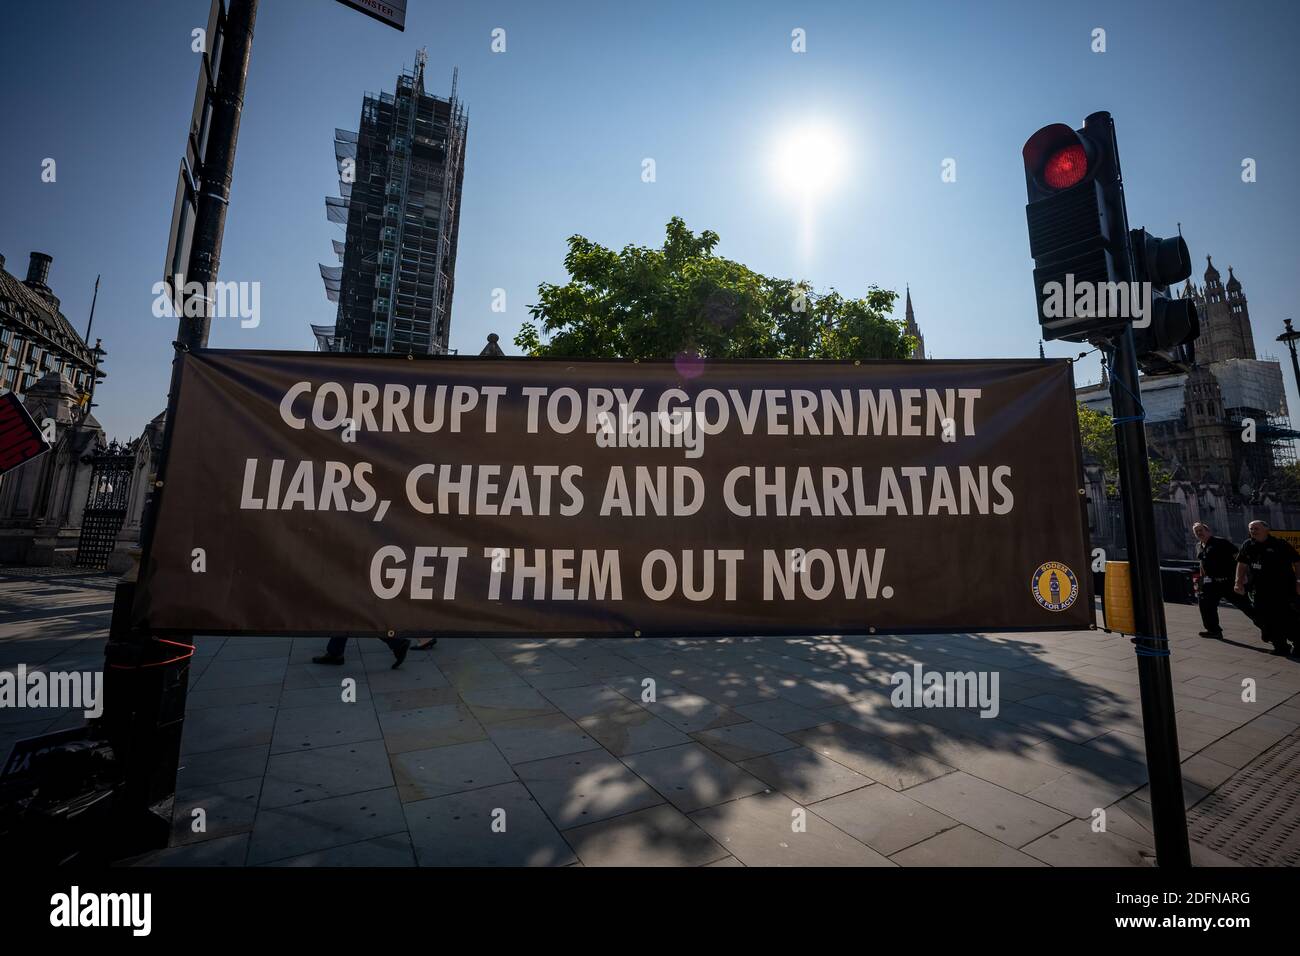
{"x": 689, "y": 752}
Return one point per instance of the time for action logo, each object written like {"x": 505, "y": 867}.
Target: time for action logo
{"x": 1054, "y": 586}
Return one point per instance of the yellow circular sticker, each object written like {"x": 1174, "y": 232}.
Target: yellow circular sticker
{"x": 1054, "y": 586}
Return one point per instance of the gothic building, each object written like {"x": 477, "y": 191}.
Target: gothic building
{"x": 1225, "y": 318}
{"x": 1224, "y": 423}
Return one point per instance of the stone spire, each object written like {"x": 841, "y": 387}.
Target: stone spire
{"x": 913, "y": 329}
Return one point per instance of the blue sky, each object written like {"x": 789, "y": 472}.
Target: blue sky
{"x": 559, "y": 125}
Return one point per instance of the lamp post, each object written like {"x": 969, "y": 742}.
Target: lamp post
{"x": 1289, "y": 337}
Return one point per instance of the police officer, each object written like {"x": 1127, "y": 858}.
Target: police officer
{"x": 1274, "y": 570}
{"x": 1218, "y": 559}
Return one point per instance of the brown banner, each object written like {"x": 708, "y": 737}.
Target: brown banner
{"x": 311, "y": 493}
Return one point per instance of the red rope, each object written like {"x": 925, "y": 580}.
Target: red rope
{"x": 170, "y": 660}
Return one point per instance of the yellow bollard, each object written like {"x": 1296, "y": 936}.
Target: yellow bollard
{"x": 1118, "y": 602}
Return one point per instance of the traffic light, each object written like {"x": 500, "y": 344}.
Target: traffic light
{"x": 1076, "y": 226}
{"x": 1092, "y": 276}
{"x": 1167, "y": 342}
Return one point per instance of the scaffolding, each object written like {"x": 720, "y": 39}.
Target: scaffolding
{"x": 1255, "y": 420}
{"x": 400, "y": 180}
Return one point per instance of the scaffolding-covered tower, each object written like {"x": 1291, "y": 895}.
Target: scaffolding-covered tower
{"x": 400, "y": 178}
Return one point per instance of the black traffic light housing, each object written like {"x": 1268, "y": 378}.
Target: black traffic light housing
{"x": 1076, "y": 229}
{"x": 1079, "y": 236}
{"x": 1165, "y": 342}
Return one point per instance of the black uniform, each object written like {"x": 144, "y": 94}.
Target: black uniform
{"x": 1218, "y": 559}
{"x": 1272, "y": 581}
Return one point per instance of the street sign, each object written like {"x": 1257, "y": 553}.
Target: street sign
{"x": 323, "y": 493}
{"x": 392, "y": 12}
{"x": 189, "y": 178}
{"x": 181, "y": 236}
{"x": 20, "y": 438}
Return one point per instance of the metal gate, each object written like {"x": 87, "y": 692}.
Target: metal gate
{"x": 110, "y": 488}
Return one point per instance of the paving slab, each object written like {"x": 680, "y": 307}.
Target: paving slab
{"x": 425, "y": 727}
{"x": 962, "y": 846}
{"x": 993, "y": 810}
{"x": 878, "y": 759}
{"x": 228, "y": 728}
{"x": 804, "y": 775}
{"x": 1079, "y": 794}
{"x": 759, "y": 830}
{"x": 691, "y": 712}
{"x": 1007, "y": 767}
{"x": 500, "y": 825}
{"x": 222, "y": 766}
{"x": 392, "y": 850}
{"x": 631, "y": 730}
{"x": 691, "y": 776}
{"x": 883, "y": 819}
{"x": 780, "y": 715}
{"x": 585, "y": 787}
{"x": 324, "y": 725}
{"x": 322, "y": 772}
{"x": 492, "y": 705}
{"x": 657, "y": 836}
{"x": 422, "y": 774}
{"x": 222, "y": 851}
{"x": 414, "y": 698}
{"x": 221, "y": 809}
{"x": 1077, "y": 844}
{"x": 221, "y": 675}
{"x": 536, "y": 738}
{"x": 586, "y": 700}
{"x": 321, "y": 824}
{"x": 745, "y": 741}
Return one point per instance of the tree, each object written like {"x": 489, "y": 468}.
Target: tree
{"x": 1284, "y": 483}
{"x": 683, "y": 299}
{"x": 1097, "y": 435}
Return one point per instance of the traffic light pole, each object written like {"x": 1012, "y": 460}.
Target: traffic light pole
{"x": 1155, "y": 678}
{"x": 147, "y": 679}
{"x": 1078, "y": 223}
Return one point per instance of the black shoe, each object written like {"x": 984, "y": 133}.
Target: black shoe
{"x": 427, "y": 645}
{"x": 1214, "y": 634}
{"x": 328, "y": 659}
{"x": 400, "y": 653}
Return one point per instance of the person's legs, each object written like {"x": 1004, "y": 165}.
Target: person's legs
{"x": 333, "y": 651}
{"x": 1209, "y": 604}
{"x": 1273, "y": 617}
{"x": 1241, "y": 603}
{"x": 399, "y": 646}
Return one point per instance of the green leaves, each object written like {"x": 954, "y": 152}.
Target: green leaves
{"x": 1097, "y": 436}
{"x": 660, "y": 303}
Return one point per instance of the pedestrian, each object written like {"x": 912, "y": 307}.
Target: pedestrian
{"x": 1218, "y": 557}
{"x": 1273, "y": 569}
{"x": 334, "y": 650}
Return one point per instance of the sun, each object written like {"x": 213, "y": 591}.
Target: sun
{"x": 808, "y": 159}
